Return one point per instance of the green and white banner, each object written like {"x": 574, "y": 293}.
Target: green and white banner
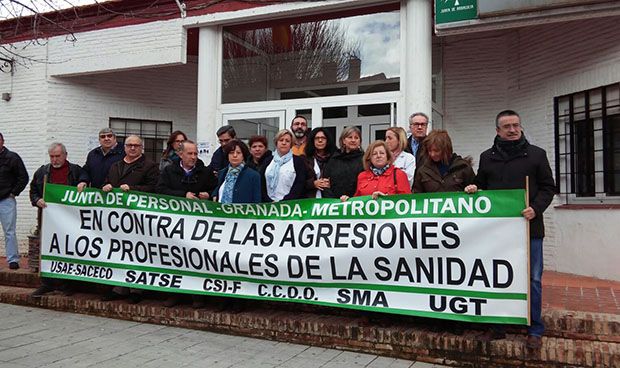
{"x": 442, "y": 255}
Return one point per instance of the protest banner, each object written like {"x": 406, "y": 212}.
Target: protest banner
{"x": 443, "y": 255}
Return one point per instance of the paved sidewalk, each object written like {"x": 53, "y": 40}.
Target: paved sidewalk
{"x": 32, "y": 337}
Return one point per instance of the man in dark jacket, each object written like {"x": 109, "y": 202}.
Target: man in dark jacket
{"x": 133, "y": 172}
{"x": 418, "y": 125}
{"x": 100, "y": 159}
{"x": 58, "y": 171}
{"x": 13, "y": 179}
{"x": 189, "y": 179}
{"x": 506, "y": 165}
{"x": 219, "y": 160}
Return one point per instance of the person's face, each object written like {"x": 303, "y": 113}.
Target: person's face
{"x": 189, "y": 155}
{"x": 391, "y": 139}
{"x": 378, "y": 158}
{"x": 177, "y": 142}
{"x": 434, "y": 153}
{"x": 107, "y": 140}
{"x": 284, "y": 144}
{"x": 224, "y": 138}
{"x": 320, "y": 141}
{"x": 133, "y": 148}
{"x": 509, "y": 128}
{"x": 418, "y": 125}
{"x": 258, "y": 150}
{"x": 352, "y": 142}
{"x": 235, "y": 157}
{"x": 57, "y": 157}
{"x": 299, "y": 126}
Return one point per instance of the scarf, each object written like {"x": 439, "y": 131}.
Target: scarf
{"x": 321, "y": 160}
{"x": 379, "y": 171}
{"x": 229, "y": 183}
{"x": 273, "y": 173}
{"x": 510, "y": 149}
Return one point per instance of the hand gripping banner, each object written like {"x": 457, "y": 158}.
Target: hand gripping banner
{"x": 442, "y": 255}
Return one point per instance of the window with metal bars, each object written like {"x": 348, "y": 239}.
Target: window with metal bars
{"x": 154, "y": 134}
{"x": 587, "y": 145}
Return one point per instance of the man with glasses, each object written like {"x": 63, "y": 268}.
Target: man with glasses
{"x": 13, "y": 179}
{"x": 507, "y": 165}
{"x": 219, "y": 160}
{"x": 134, "y": 172}
{"x": 418, "y": 125}
{"x": 100, "y": 159}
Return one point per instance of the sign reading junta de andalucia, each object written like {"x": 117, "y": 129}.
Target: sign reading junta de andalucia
{"x": 447, "y": 11}
{"x": 443, "y": 255}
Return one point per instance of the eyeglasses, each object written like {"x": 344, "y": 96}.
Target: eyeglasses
{"x": 129, "y": 145}
{"x": 418, "y": 125}
{"x": 319, "y": 138}
{"x": 103, "y": 136}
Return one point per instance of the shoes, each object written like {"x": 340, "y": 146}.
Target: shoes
{"x": 14, "y": 265}
{"x": 533, "y": 342}
{"x": 171, "y": 301}
{"x": 134, "y": 298}
{"x": 110, "y": 295}
{"x": 492, "y": 334}
{"x": 43, "y": 289}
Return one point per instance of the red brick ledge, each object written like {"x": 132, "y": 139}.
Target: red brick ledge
{"x": 342, "y": 332}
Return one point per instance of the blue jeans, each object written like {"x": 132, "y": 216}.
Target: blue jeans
{"x": 537, "y": 328}
{"x": 8, "y": 218}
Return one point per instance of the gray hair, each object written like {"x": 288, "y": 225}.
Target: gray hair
{"x": 184, "y": 143}
{"x": 57, "y": 144}
{"x": 107, "y": 130}
{"x": 419, "y": 114}
{"x": 134, "y": 136}
{"x": 347, "y": 132}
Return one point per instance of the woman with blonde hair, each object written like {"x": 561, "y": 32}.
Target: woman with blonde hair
{"x": 284, "y": 174}
{"x": 380, "y": 177}
{"x": 443, "y": 170}
{"x": 396, "y": 140}
{"x": 345, "y": 164}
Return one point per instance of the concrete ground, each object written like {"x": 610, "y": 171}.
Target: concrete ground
{"x": 32, "y": 337}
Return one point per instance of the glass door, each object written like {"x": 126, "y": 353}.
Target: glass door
{"x": 247, "y": 124}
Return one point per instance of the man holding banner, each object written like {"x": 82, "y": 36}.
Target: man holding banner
{"x": 58, "y": 171}
{"x": 513, "y": 163}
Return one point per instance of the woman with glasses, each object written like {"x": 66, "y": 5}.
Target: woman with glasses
{"x": 320, "y": 146}
{"x": 345, "y": 164}
{"x": 284, "y": 175}
{"x": 172, "y": 146}
{"x": 443, "y": 170}
{"x": 380, "y": 177}
{"x": 237, "y": 183}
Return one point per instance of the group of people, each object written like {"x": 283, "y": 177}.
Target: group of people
{"x": 304, "y": 164}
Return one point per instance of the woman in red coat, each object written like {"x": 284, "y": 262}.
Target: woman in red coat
{"x": 379, "y": 177}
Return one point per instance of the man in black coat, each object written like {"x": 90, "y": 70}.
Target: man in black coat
{"x": 418, "y": 125}
{"x": 505, "y": 166}
{"x": 58, "y": 171}
{"x": 100, "y": 159}
{"x": 13, "y": 179}
{"x": 189, "y": 179}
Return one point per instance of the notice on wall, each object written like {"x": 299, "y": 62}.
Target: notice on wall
{"x": 442, "y": 255}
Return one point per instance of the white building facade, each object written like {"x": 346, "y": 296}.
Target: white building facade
{"x": 348, "y": 62}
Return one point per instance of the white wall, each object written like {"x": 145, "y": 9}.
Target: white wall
{"x": 45, "y": 109}
{"x": 524, "y": 69}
